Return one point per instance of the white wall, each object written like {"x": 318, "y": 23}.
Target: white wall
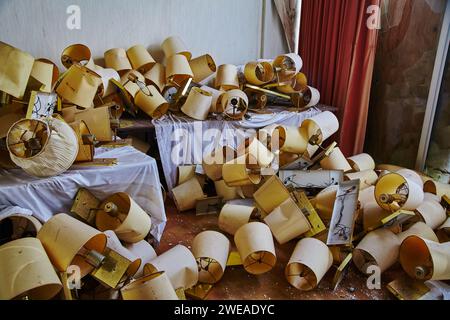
{"x": 230, "y": 30}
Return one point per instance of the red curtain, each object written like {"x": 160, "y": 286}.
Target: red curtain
{"x": 338, "y": 52}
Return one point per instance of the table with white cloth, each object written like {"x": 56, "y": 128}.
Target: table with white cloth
{"x": 183, "y": 141}
{"x": 135, "y": 174}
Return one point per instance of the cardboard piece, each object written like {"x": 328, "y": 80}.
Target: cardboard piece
{"x": 234, "y": 216}
{"x": 202, "y": 67}
{"x": 155, "y": 286}
{"x": 300, "y": 179}
{"x": 42, "y": 105}
{"x": 227, "y": 77}
{"x": 197, "y": 104}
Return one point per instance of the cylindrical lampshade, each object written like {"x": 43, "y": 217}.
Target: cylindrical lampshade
{"x": 287, "y": 66}
{"x": 26, "y": 271}
{"x": 202, "y": 67}
{"x": 271, "y": 195}
{"x": 335, "y": 161}
{"x": 323, "y": 125}
{"x": 120, "y": 213}
{"x": 255, "y": 245}
{"x": 258, "y": 73}
{"x": 287, "y": 221}
{"x": 140, "y": 58}
{"x": 308, "y": 264}
{"x": 226, "y": 192}
{"x": 366, "y": 178}
{"x": 132, "y": 87}
{"x": 438, "y": 188}
{"x": 55, "y": 72}
{"x": 292, "y": 139}
{"x": 211, "y": 249}
{"x": 156, "y": 76}
{"x": 107, "y": 88}
{"x": 179, "y": 264}
{"x": 234, "y": 216}
{"x": 227, "y": 77}
{"x": 216, "y": 102}
{"x": 298, "y": 83}
{"x": 174, "y": 45}
{"x": 378, "y": 248}
{"x": 424, "y": 259}
{"x": 42, "y": 148}
{"x": 117, "y": 59}
{"x": 155, "y": 286}
{"x": 85, "y": 149}
{"x": 144, "y": 251}
{"x": 17, "y": 226}
{"x": 76, "y": 53}
{"x": 235, "y": 173}
{"x": 419, "y": 229}
{"x": 186, "y": 194}
{"x": 324, "y": 202}
{"x": 258, "y": 154}
{"x": 197, "y": 104}
{"x": 43, "y": 73}
{"x": 63, "y": 237}
{"x": 367, "y": 196}
{"x": 431, "y": 211}
{"x": 234, "y": 104}
{"x": 361, "y": 162}
{"x": 411, "y": 175}
{"x": 178, "y": 70}
{"x": 151, "y": 102}
{"x": 214, "y": 161}
{"x": 372, "y": 214}
{"x": 114, "y": 243}
{"x": 185, "y": 173}
{"x": 310, "y": 97}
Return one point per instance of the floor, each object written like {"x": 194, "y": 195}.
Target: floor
{"x": 238, "y": 284}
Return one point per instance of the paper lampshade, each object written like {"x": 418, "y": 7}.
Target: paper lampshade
{"x": 156, "y": 76}
{"x": 234, "y": 104}
{"x": 361, "y": 162}
{"x": 438, "y": 188}
{"x": 372, "y": 214}
{"x": 214, "y": 161}
{"x": 226, "y": 192}
{"x": 197, "y": 104}
{"x": 186, "y": 194}
{"x": 366, "y": 178}
{"x": 85, "y": 147}
{"x": 117, "y": 59}
{"x": 140, "y": 58}
{"x": 178, "y": 70}
{"x": 216, "y": 103}
{"x": 292, "y": 139}
{"x": 202, "y": 67}
{"x": 271, "y": 195}
{"x": 431, "y": 211}
{"x": 335, "y": 161}
{"x": 324, "y": 125}
{"x": 155, "y": 286}
{"x": 114, "y": 244}
{"x": 97, "y": 120}
{"x": 151, "y": 102}
{"x": 144, "y": 251}
{"x": 185, "y": 173}
{"x": 297, "y": 83}
{"x": 174, "y": 45}
{"x": 258, "y": 73}
{"x": 106, "y": 87}
{"x": 411, "y": 175}
{"x": 130, "y": 86}
{"x": 76, "y": 53}
{"x": 233, "y": 216}
{"x": 324, "y": 202}
{"x": 419, "y": 229}
{"x": 17, "y": 226}
{"x": 42, "y": 74}
{"x": 235, "y": 173}
{"x": 258, "y": 154}
{"x": 287, "y": 66}
{"x": 227, "y": 77}
{"x": 55, "y": 71}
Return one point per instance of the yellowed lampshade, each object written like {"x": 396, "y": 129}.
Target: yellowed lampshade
{"x": 185, "y": 173}
{"x": 202, "y": 67}
{"x": 255, "y": 245}
{"x": 156, "y": 76}
{"x": 438, "y": 188}
{"x": 258, "y": 73}
{"x": 419, "y": 229}
{"x": 197, "y": 104}
{"x": 174, "y": 45}
{"x": 287, "y": 221}
{"x": 97, "y": 120}
{"x": 85, "y": 150}
{"x": 76, "y": 53}
{"x": 324, "y": 202}
{"x": 26, "y": 271}
{"x": 424, "y": 259}
{"x": 378, "y": 248}
{"x": 140, "y": 58}
{"x": 155, "y": 286}
{"x": 186, "y": 194}
{"x": 366, "y": 178}
{"x": 298, "y": 83}
{"x": 287, "y": 66}
{"x": 216, "y": 103}
{"x": 178, "y": 70}
{"x": 292, "y": 139}
{"x": 335, "y": 161}
{"x": 117, "y": 59}
{"x": 120, "y": 213}
{"x": 114, "y": 244}
{"x": 151, "y": 102}
{"x": 211, "y": 249}
{"x": 227, "y": 77}
{"x": 213, "y": 162}
{"x": 234, "y": 104}
{"x": 226, "y": 192}
{"x": 179, "y": 264}
{"x": 144, "y": 251}
{"x": 233, "y": 216}
{"x": 431, "y": 211}
{"x": 235, "y": 173}
{"x": 361, "y": 162}
{"x": 132, "y": 87}
{"x": 325, "y": 124}
{"x": 107, "y": 88}
{"x": 308, "y": 264}
{"x": 55, "y": 72}
{"x": 21, "y": 226}
{"x": 42, "y": 73}
{"x": 271, "y": 195}
{"x": 258, "y": 154}
{"x": 64, "y": 237}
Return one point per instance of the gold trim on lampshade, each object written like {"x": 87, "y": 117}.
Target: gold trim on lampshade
{"x": 140, "y": 59}
{"x": 22, "y": 225}
{"x": 324, "y": 202}
{"x": 211, "y": 250}
{"x": 202, "y": 67}
{"x": 56, "y": 146}
{"x": 235, "y": 173}
{"x": 179, "y": 264}
{"x": 184, "y": 173}
{"x": 144, "y": 251}
{"x": 106, "y": 88}
{"x": 335, "y": 161}
{"x": 438, "y": 188}
{"x": 174, "y": 45}
{"x": 233, "y": 216}
{"x": 227, "y": 77}
{"x": 258, "y": 73}
{"x": 127, "y": 219}
{"x": 117, "y": 59}
{"x": 213, "y": 162}
{"x": 216, "y": 103}
{"x": 79, "y": 86}
{"x": 271, "y": 195}
{"x": 63, "y": 237}
{"x": 419, "y": 229}
{"x": 55, "y": 71}
{"x": 287, "y": 221}
{"x": 186, "y": 194}
{"x": 156, "y": 76}
{"x": 76, "y": 53}
{"x": 230, "y": 109}
{"x": 154, "y": 104}
{"x": 258, "y": 154}
{"x": 289, "y": 64}
{"x": 155, "y": 286}
{"x": 325, "y": 124}
{"x": 98, "y": 121}
{"x": 378, "y": 248}
{"x": 197, "y": 104}
{"x": 85, "y": 151}
{"x": 131, "y": 87}
{"x": 226, "y": 192}
{"x": 394, "y": 183}
{"x": 255, "y": 245}
{"x": 178, "y": 70}
{"x": 292, "y": 139}
{"x": 26, "y": 271}
{"x": 361, "y": 162}
{"x": 297, "y": 84}
{"x": 114, "y": 244}
{"x": 424, "y": 259}
{"x": 15, "y": 70}
{"x": 42, "y": 73}
{"x": 431, "y": 211}
{"x": 366, "y": 178}
{"x": 309, "y": 262}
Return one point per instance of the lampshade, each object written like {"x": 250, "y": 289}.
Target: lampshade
{"x": 85, "y": 141}
{"x": 366, "y": 178}
{"x": 42, "y": 75}
{"x": 298, "y": 83}
{"x": 216, "y": 102}
{"x": 213, "y": 162}
{"x": 178, "y": 70}
{"x": 76, "y": 53}
{"x": 140, "y": 58}
{"x": 174, "y": 45}
{"x": 235, "y": 173}
{"x": 117, "y": 59}
{"x": 258, "y": 154}
{"x": 197, "y": 104}
{"x": 55, "y": 71}
{"x": 202, "y": 67}
{"x": 324, "y": 202}
{"x": 438, "y": 188}
{"x": 151, "y": 102}
{"x": 155, "y": 286}
{"x": 361, "y": 162}
{"x": 258, "y": 73}
{"x": 132, "y": 87}
{"x": 97, "y": 120}
{"x": 287, "y": 66}
{"x": 335, "y": 161}
{"x": 226, "y": 192}
{"x": 156, "y": 76}
{"x": 227, "y": 77}
{"x": 106, "y": 87}
{"x": 292, "y": 139}
{"x": 186, "y": 194}
{"x": 17, "y": 226}
{"x": 144, "y": 251}
{"x": 114, "y": 243}
{"x": 411, "y": 175}
{"x": 372, "y": 214}
{"x": 419, "y": 229}
{"x": 185, "y": 173}
{"x": 233, "y": 216}
{"x": 271, "y": 195}
{"x": 431, "y": 211}
{"x": 234, "y": 104}
{"x": 324, "y": 125}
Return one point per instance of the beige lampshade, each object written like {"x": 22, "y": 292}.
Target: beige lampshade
{"x": 144, "y": 251}
{"x": 120, "y": 213}
{"x": 297, "y": 83}
{"x": 366, "y": 178}
{"x": 202, "y": 67}
{"x": 411, "y": 175}
{"x": 97, "y": 120}
{"x": 85, "y": 149}
{"x": 132, "y": 87}
{"x": 151, "y": 102}
{"x": 64, "y": 237}
{"x": 179, "y": 264}
{"x": 419, "y": 229}
{"x": 114, "y": 244}
{"x": 287, "y": 66}
{"x": 235, "y": 173}
{"x": 226, "y": 192}
{"x": 258, "y": 154}
{"x": 431, "y": 211}
{"x": 76, "y": 53}
{"x": 140, "y": 58}
{"x": 185, "y": 173}
{"x": 325, "y": 124}
{"x": 372, "y": 214}
{"x": 287, "y": 221}
{"x": 233, "y": 216}
{"x": 107, "y": 87}
{"x": 117, "y": 59}
{"x": 174, "y": 45}
{"x": 378, "y": 248}
{"x": 21, "y": 226}
{"x": 324, "y": 202}
{"x": 227, "y": 77}
{"x": 211, "y": 249}
{"x": 335, "y": 161}
{"x": 186, "y": 194}
{"x": 367, "y": 196}
{"x": 213, "y": 162}
{"x": 255, "y": 245}
{"x": 361, "y": 162}
{"x": 271, "y": 195}
{"x": 424, "y": 259}
{"x": 55, "y": 72}
{"x": 308, "y": 264}
{"x": 178, "y": 70}
{"x": 155, "y": 286}
{"x": 156, "y": 76}
{"x": 438, "y": 188}
{"x": 42, "y": 74}
{"x": 292, "y": 139}
{"x": 234, "y": 104}
{"x": 26, "y": 271}
{"x": 197, "y": 104}
{"x": 258, "y": 73}
{"x": 216, "y": 102}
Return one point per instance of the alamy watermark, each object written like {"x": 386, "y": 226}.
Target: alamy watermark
{"x": 73, "y": 21}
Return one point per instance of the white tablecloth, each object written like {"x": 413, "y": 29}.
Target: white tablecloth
{"x": 135, "y": 174}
